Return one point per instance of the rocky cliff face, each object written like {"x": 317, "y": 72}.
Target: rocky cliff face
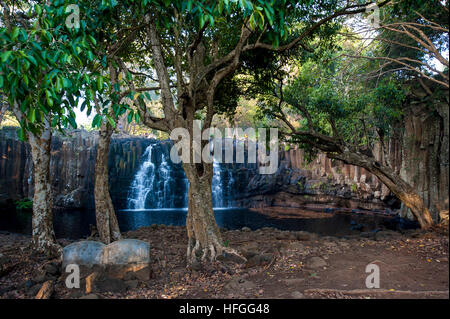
{"x": 422, "y": 149}
{"x": 321, "y": 184}
{"x": 296, "y": 184}
{"x": 72, "y": 167}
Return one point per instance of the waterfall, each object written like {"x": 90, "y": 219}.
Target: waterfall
{"x": 159, "y": 183}
{"x": 143, "y": 181}
{"x": 166, "y": 184}
{"x": 216, "y": 186}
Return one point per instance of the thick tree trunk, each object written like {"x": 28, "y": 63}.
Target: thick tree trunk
{"x": 205, "y": 241}
{"x": 43, "y": 235}
{"x": 405, "y": 192}
{"x": 107, "y": 225}
{"x": 43, "y": 240}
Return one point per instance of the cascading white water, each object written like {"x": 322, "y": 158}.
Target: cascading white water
{"x": 216, "y": 185}
{"x": 143, "y": 181}
{"x": 160, "y": 184}
{"x": 165, "y": 199}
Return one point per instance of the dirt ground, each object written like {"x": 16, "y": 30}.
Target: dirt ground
{"x": 281, "y": 264}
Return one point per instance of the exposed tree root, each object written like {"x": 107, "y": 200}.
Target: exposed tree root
{"x": 212, "y": 252}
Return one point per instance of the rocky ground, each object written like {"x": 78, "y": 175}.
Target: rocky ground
{"x": 281, "y": 264}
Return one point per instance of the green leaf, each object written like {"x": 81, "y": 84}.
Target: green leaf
{"x": 25, "y": 79}
{"x": 32, "y": 115}
{"x": 130, "y": 116}
{"x": 5, "y": 55}
{"x": 111, "y": 121}
{"x": 97, "y": 120}
{"x": 72, "y": 122}
{"x": 92, "y": 39}
{"x": 21, "y": 134}
{"x": 100, "y": 83}
{"x": 14, "y": 33}
{"x": 38, "y": 9}
{"x": 31, "y": 59}
{"x": 49, "y": 98}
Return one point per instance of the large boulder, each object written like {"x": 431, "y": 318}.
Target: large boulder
{"x": 122, "y": 252}
{"x": 86, "y": 253}
{"x": 102, "y": 267}
{"x": 127, "y": 255}
{"x": 126, "y": 251}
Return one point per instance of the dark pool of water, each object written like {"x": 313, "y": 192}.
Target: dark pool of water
{"x": 75, "y": 223}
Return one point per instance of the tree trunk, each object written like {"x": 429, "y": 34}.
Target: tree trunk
{"x": 107, "y": 225}
{"x": 3, "y": 109}
{"x": 43, "y": 240}
{"x": 405, "y": 192}
{"x": 43, "y": 235}
{"x": 205, "y": 240}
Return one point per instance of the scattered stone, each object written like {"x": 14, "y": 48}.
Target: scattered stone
{"x": 297, "y": 295}
{"x": 240, "y": 284}
{"x": 29, "y": 283}
{"x": 32, "y": 291}
{"x": 315, "y": 263}
{"x": 259, "y": 260}
{"x": 246, "y": 229}
{"x": 131, "y": 275}
{"x": 132, "y": 284}
{"x": 249, "y": 253}
{"x": 75, "y": 293}
{"x": 51, "y": 269}
{"x": 303, "y": 236}
{"x": 143, "y": 274}
{"x": 39, "y": 279}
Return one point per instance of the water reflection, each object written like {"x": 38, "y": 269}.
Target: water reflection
{"x": 75, "y": 223}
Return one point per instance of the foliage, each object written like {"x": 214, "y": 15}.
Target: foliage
{"x": 41, "y": 62}
{"x": 327, "y": 87}
{"x": 24, "y": 204}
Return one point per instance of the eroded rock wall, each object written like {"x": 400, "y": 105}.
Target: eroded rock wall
{"x": 72, "y": 167}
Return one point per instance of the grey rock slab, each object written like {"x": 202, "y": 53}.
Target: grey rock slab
{"x": 126, "y": 251}
{"x": 86, "y": 252}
